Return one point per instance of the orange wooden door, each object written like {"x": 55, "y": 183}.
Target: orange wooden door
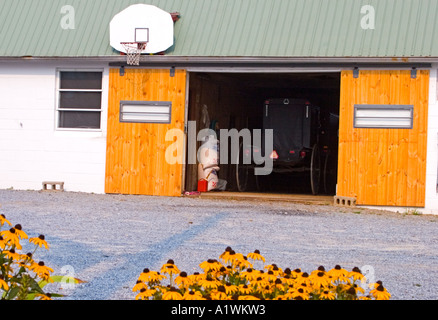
{"x": 136, "y": 152}
{"x": 384, "y": 167}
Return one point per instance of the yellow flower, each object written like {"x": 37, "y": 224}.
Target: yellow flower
{"x": 256, "y": 256}
{"x": 42, "y": 296}
{"x": 230, "y": 288}
{"x": 226, "y": 253}
{"x": 196, "y": 277}
{"x": 275, "y": 270}
{"x": 145, "y": 294}
{"x": 11, "y": 254}
{"x": 3, "y": 283}
{"x": 2, "y": 243}
{"x": 183, "y": 281}
{"x": 40, "y": 241}
{"x": 299, "y": 294}
{"x": 380, "y": 293}
{"x": 172, "y": 294}
{"x": 356, "y": 274}
{"x": 243, "y": 263}
{"x": 259, "y": 282}
{"x": 193, "y": 295}
{"x": 150, "y": 276}
{"x": 10, "y": 237}
{"x": 339, "y": 274}
{"x": 41, "y": 270}
{"x": 3, "y": 220}
{"x": 250, "y": 274}
{"x": 169, "y": 268}
{"x": 270, "y": 276}
{"x": 248, "y": 297}
{"x": 20, "y": 233}
{"x": 327, "y": 295}
{"x": 319, "y": 280}
{"x": 219, "y": 294}
{"x": 211, "y": 265}
{"x": 209, "y": 283}
{"x": 139, "y": 285}
{"x": 244, "y": 289}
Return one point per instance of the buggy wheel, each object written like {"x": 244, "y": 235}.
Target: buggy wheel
{"x": 330, "y": 174}
{"x": 242, "y": 171}
{"x": 315, "y": 170}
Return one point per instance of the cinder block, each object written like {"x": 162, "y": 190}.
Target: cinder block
{"x": 344, "y": 201}
{"x": 53, "y": 186}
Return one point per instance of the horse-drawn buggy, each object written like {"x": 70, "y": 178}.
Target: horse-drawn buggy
{"x": 303, "y": 143}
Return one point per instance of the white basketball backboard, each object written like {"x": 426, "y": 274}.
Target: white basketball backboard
{"x": 142, "y": 23}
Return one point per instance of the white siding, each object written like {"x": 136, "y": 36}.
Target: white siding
{"x": 432, "y": 146}
{"x": 31, "y": 149}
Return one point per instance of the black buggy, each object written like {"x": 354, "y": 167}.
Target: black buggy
{"x": 301, "y": 144}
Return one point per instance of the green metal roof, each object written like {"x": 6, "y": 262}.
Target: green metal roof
{"x": 230, "y": 28}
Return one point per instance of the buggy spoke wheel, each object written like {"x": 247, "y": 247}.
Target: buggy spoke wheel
{"x": 241, "y": 171}
{"x": 315, "y": 170}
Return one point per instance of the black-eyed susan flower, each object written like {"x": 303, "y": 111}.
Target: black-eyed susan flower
{"x": 209, "y": 283}
{"x": 3, "y": 284}
{"x": 299, "y": 294}
{"x": 11, "y": 254}
{"x": 40, "y": 241}
{"x": 139, "y": 285}
{"x": 19, "y": 231}
{"x": 338, "y": 274}
{"x": 248, "y": 297}
{"x": 243, "y": 263}
{"x": 10, "y": 237}
{"x": 327, "y": 295}
{"x": 259, "y": 282}
{"x": 2, "y": 243}
{"x": 256, "y": 256}
{"x": 41, "y": 270}
{"x": 270, "y": 276}
{"x": 211, "y": 265}
{"x": 225, "y": 254}
{"x": 150, "y": 276}
{"x": 193, "y": 295}
{"x": 219, "y": 293}
{"x": 145, "y": 294}
{"x": 172, "y": 294}
{"x": 380, "y": 293}
{"x": 196, "y": 277}
{"x": 356, "y": 274}
{"x": 3, "y": 220}
{"x": 169, "y": 268}
{"x": 244, "y": 289}
{"x": 183, "y": 281}
{"x": 250, "y": 274}
{"x": 230, "y": 288}
{"x": 319, "y": 280}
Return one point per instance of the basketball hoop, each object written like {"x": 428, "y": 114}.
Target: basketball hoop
{"x": 133, "y": 51}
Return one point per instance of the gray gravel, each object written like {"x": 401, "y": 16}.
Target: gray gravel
{"x": 107, "y": 240}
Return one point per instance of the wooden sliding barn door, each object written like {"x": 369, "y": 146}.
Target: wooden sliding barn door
{"x": 383, "y": 167}
{"x": 135, "y": 160}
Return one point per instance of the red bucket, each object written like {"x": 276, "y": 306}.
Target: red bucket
{"x": 202, "y": 185}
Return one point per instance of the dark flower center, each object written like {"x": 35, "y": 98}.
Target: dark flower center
{"x": 41, "y": 237}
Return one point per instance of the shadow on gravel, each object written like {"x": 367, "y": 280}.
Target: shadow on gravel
{"x": 117, "y": 278}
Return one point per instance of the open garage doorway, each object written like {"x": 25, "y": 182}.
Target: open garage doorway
{"x": 239, "y": 101}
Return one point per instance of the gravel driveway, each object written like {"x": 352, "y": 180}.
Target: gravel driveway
{"x": 107, "y": 240}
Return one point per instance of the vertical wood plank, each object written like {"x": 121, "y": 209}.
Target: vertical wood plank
{"x": 384, "y": 166}
{"x": 136, "y": 162}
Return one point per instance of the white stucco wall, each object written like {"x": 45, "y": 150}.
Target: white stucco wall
{"x": 32, "y": 150}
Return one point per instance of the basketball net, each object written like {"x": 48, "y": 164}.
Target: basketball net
{"x": 133, "y": 51}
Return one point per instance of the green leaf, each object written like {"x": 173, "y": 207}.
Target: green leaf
{"x": 13, "y": 293}
{"x": 60, "y": 279}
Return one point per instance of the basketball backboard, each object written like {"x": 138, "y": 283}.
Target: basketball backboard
{"x": 142, "y": 23}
